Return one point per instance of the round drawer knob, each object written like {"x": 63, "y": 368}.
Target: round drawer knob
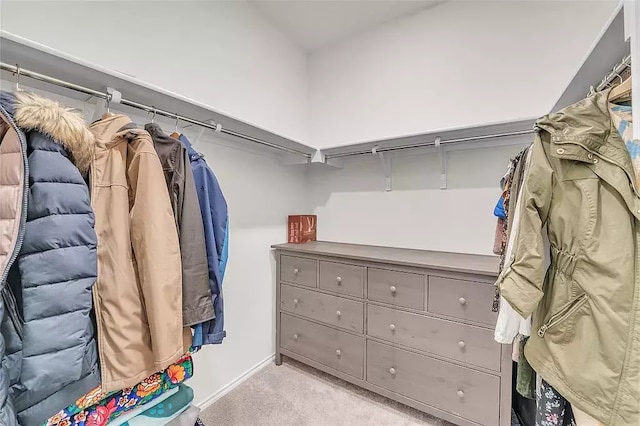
{"x": 462, "y": 301}
{"x": 392, "y": 327}
{"x": 460, "y": 394}
{"x": 295, "y": 302}
{"x": 338, "y": 352}
{"x": 393, "y": 289}
{"x": 461, "y": 344}
{"x": 339, "y": 280}
{"x": 296, "y": 271}
{"x": 392, "y": 371}
{"x": 338, "y": 314}
{"x": 295, "y": 337}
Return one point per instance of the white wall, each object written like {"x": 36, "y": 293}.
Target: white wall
{"x": 260, "y": 194}
{"x": 352, "y": 205}
{"x": 458, "y": 64}
{"x": 221, "y": 53}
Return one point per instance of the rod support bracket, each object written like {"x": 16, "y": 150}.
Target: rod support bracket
{"x": 442, "y": 154}
{"x": 114, "y": 95}
{"x": 386, "y": 167}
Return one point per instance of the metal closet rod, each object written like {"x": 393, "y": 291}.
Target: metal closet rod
{"x": 150, "y": 109}
{"x": 433, "y": 143}
{"x": 614, "y": 73}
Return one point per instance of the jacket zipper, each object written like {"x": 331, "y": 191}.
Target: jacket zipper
{"x": 11, "y": 307}
{"x": 25, "y": 189}
{"x": 563, "y": 314}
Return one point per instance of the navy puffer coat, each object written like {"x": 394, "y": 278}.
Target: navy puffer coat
{"x": 51, "y": 353}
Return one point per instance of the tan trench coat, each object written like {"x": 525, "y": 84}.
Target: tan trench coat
{"x": 138, "y": 294}
{"x": 586, "y": 335}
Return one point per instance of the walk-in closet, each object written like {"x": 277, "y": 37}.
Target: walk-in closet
{"x": 319, "y": 213}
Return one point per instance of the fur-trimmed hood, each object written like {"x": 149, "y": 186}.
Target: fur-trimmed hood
{"x": 63, "y": 125}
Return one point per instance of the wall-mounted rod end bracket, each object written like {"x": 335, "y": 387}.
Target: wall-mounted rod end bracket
{"x": 442, "y": 154}
{"x": 386, "y": 167}
{"x": 114, "y": 95}
{"x": 202, "y": 129}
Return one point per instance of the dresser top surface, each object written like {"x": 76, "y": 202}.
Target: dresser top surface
{"x": 457, "y": 262}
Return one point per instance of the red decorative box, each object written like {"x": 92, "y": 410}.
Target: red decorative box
{"x": 302, "y": 228}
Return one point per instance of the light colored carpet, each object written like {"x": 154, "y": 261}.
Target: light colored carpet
{"x": 295, "y": 394}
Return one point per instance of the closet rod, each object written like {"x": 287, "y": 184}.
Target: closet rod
{"x": 15, "y": 69}
{"x": 433, "y": 143}
{"x": 614, "y": 73}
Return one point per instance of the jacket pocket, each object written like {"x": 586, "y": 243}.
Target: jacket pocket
{"x": 563, "y": 314}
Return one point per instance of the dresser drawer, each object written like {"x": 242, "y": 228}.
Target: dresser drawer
{"x": 396, "y": 288}
{"x": 468, "y": 300}
{"x": 333, "y": 310}
{"x": 341, "y": 278}
{"x": 333, "y": 348}
{"x": 462, "y": 391}
{"x": 299, "y": 270}
{"x": 466, "y": 343}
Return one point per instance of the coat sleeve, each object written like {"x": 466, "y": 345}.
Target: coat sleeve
{"x": 196, "y": 294}
{"x": 154, "y": 240}
{"x": 522, "y": 279}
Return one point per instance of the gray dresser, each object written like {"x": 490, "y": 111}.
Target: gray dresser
{"x": 415, "y": 326}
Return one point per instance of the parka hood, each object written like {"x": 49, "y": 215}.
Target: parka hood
{"x": 588, "y": 120}
{"x": 63, "y": 125}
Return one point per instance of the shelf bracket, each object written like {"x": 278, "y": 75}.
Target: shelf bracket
{"x": 202, "y": 129}
{"x": 102, "y": 104}
{"x": 442, "y": 154}
{"x": 386, "y": 167}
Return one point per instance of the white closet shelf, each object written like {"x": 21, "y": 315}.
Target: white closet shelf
{"x": 52, "y": 63}
{"x": 495, "y": 134}
{"x": 608, "y": 50}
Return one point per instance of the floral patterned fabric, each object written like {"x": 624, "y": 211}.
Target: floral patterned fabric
{"x": 97, "y": 408}
{"x": 552, "y": 408}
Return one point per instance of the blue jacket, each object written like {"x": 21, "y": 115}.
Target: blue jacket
{"x": 213, "y": 208}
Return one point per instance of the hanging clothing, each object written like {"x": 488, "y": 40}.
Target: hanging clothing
{"x": 197, "y": 305}
{"x": 213, "y": 208}
{"x": 138, "y": 295}
{"x": 552, "y": 408}
{"x": 525, "y": 375}
{"x": 98, "y": 408}
{"x": 509, "y": 323}
{"x": 13, "y": 215}
{"x": 581, "y": 184}
{"x": 52, "y": 357}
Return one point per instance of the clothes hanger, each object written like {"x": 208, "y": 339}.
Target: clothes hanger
{"x": 108, "y": 113}
{"x": 17, "y": 85}
{"x": 153, "y": 117}
{"x": 622, "y": 92}
{"x": 175, "y": 134}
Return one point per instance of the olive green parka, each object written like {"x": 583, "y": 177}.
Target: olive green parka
{"x": 580, "y": 190}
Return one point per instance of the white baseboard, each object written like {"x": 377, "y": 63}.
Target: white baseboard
{"x": 236, "y": 382}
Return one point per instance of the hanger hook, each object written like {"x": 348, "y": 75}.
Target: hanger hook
{"x": 177, "y": 119}
{"x": 17, "y": 78}
{"x": 153, "y": 117}
{"x": 108, "y": 99}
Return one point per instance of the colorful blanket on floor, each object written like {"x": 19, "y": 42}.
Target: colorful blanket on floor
{"x": 97, "y": 408}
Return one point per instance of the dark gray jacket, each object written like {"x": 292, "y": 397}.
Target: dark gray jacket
{"x": 197, "y": 304}
{"x": 51, "y": 353}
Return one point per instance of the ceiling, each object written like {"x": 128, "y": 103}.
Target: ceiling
{"x": 313, "y": 24}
